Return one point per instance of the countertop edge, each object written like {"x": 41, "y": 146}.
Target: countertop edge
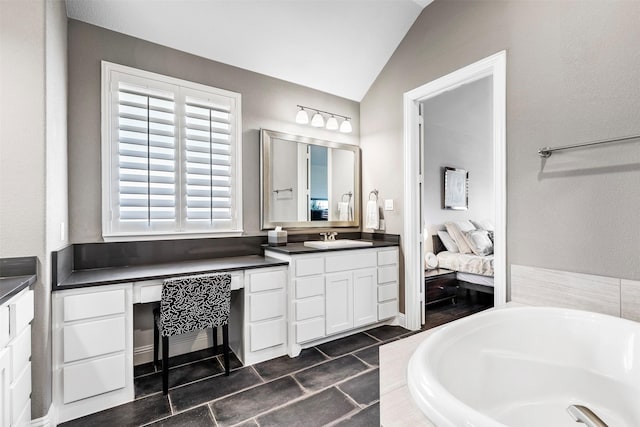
{"x": 21, "y": 282}
{"x": 68, "y": 283}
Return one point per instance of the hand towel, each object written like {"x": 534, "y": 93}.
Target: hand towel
{"x": 372, "y": 219}
{"x": 343, "y": 211}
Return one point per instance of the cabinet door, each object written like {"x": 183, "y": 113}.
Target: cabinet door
{"x": 365, "y": 297}
{"x": 338, "y": 302}
{"x": 5, "y": 377}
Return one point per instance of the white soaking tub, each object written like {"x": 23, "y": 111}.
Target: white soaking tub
{"x": 524, "y": 366}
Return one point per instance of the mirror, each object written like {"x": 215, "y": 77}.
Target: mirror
{"x": 308, "y": 182}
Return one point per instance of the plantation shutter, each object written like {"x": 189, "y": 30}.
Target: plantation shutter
{"x": 209, "y": 161}
{"x": 171, "y": 156}
{"x": 146, "y": 157}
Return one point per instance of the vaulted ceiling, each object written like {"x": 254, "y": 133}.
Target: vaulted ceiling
{"x": 336, "y": 46}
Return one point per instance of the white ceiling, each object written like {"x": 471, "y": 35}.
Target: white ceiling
{"x": 336, "y": 46}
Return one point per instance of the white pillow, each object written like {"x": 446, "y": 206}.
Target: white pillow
{"x": 456, "y": 231}
{"x": 448, "y": 242}
{"x": 485, "y": 224}
{"x": 480, "y": 242}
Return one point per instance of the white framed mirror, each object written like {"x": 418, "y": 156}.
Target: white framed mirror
{"x": 308, "y": 182}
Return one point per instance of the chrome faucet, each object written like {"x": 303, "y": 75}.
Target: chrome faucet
{"x": 582, "y": 414}
{"x": 329, "y": 236}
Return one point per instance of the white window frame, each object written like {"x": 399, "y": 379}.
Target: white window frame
{"x": 108, "y": 157}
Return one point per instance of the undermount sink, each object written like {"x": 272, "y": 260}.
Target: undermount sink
{"x": 336, "y": 244}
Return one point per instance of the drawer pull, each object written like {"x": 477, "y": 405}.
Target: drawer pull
{"x": 441, "y": 288}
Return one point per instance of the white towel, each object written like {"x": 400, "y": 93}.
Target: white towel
{"x": 372, "y": 219}
{"x": 343, "y": 211}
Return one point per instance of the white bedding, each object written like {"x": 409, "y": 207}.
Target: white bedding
{"x": 468, "y": 263}
{"x": 475, "y": 278}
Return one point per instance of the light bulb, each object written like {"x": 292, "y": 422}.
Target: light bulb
{"x": 302, "y": 117}
{"x": 345, "y": 127}
{"x": 332, "y": 123}
{"x": 317, "y": 120}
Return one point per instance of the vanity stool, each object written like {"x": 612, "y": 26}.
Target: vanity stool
{"x": 189, "y": 304}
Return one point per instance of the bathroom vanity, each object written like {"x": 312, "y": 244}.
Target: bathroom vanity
{"x": 334, "y": 293}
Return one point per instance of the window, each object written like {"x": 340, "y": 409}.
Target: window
{"x": 171, "y": 156}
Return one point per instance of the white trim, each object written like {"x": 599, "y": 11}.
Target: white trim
{"x": 494, "y": 65}
{"x": 48, "y": 420}
{"x": 400, "y": 320}
{"x": 179, "y": 86}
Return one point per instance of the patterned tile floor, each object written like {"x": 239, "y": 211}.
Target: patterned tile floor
{"x": 336, "y": 383}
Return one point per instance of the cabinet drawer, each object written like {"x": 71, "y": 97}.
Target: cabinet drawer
{"x": 351, "y": 261}
{"x": 95, "y": 377}
{"x": 93, "y": 338}
{"x": 267, "y": 334}
{"x": 387, "y": 292}
{"x": 5, "y": 330}
{"x": 94, "y": 304}
{"x": 20, "y": 352}
{"x": 387, "y": 309}
{"x": 309, "y": 266}
{"x": 22, "y": 312}
{"x": 310, "y": 329}
{"x": 388, "y": 274}
{"x": 310, "y": 307}
{"x": 309, "y": 286}
{"x": 264, "y": 281}
{"x": 267, "y": 305}
{"x": 388, "y": 257}
{"x": 20, "y": 392}
{"x": 441, "y": 287}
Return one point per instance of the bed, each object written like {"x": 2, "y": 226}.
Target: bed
{"x": 473, "y": 272}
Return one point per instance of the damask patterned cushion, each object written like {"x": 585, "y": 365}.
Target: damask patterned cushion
{"x": 194, "y": 303}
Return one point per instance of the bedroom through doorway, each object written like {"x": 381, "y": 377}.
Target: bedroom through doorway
{"x": 455, "y": 183}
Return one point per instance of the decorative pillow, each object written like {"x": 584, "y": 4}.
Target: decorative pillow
{"x": 480, "y": 242}
{"x": 448, "y": 242}
{"x": 485, "y": 224}
{"x": 456, "y": 231}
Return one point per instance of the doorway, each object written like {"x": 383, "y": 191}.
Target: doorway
{"x": 493, "y": 68}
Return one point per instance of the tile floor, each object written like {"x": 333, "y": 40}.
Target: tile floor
{"x": 336, "y": 383}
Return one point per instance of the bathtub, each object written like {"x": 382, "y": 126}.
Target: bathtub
{"x": 523, "y": 366}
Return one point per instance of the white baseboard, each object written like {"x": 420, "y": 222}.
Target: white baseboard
{"x": 401, "y": 320}
{"x": 49, "y": 420}
{"x": 179, "y": 344}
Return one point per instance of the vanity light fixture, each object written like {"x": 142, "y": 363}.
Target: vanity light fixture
{"x": 302, "y": 117}
{"x": 345, "y": 127}
{"x": 332, "y": 123}
{"x": 318, "y": 119}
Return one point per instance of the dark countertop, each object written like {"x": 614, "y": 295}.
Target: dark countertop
{"x": 300, "y": 248}
{"x": 10, "y": 286}
{"x": 15, "y": 275}
{"x": 112, "y": 275}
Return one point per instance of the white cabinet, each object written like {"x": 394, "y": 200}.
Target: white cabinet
{"x": 338, "y": 302}
{"x": 262, "y": 314}
{"x": 92, "y": 338}
{"x": 15, "y": 355}
{"x": 332, "y": 293}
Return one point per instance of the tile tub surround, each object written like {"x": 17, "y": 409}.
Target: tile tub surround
{"x": 324, "y": 385}
{"x": 608, "y": 295}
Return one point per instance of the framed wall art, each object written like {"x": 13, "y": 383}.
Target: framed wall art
{"x": 455, "y": 189}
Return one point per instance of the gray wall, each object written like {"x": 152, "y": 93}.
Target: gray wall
{"x": 572, "y": 76}
{"x": 33, "y": 168}
{"x": 458, "y": 131}
{"x": 266, "y": 103}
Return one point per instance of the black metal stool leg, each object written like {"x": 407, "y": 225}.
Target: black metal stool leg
{"x": 156, "y": 338}
{"x": 215, "y": 340}
{"x": 165, "y": 365}
{"x": 225, "y": 345}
